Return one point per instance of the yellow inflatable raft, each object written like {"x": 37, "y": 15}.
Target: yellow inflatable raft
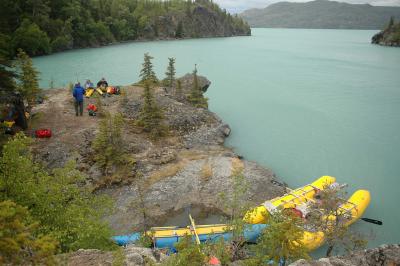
{"x": 296, "y": 197}
{"x": 352, "y": 210}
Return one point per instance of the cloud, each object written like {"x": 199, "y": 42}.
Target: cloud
{"x": 235, "y": 6}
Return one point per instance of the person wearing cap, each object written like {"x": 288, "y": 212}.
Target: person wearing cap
{"x": 89, "y": 85}
{"x": 78, "y": 93}
{"x": 103, "y": 84}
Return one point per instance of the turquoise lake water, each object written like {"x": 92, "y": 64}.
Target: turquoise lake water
{"x": 305, "y": 103}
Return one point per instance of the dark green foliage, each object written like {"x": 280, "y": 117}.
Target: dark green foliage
{"x": 179, "y": 30}
{"x": 196, "y": 97}
{"x": 20, "y": 243}
{"x": 28, "y": 83}
{"x": 7, "y": 75}
{"x": 151, "y": 116}
{"x": 30, "y": 38}
{"x": 170, "y": 72}
{"x": 189, "y": 253}
{"x": 280, "y": 241}
{"x": 44, "y": 26}
{"x": 108, "y": 144}
{"x": 147, "y": 73}
{"x": 391, "y": 22}
{"x": 66, "y": 210}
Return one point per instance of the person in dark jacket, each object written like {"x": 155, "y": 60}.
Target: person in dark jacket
{"x": 78, "y": 95}
{"x": 102, "y": 84}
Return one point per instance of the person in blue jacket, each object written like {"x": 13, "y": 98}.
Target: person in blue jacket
{"x": 78, "y": 95}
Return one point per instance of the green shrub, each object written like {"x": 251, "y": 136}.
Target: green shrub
{"x": 66, "y": 210}
{"x": 19, "y": 240}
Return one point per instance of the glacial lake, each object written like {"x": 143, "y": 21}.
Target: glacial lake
{"x": 304, "y": 103}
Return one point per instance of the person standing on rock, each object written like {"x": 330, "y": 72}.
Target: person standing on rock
{"x": 78, "y": 95}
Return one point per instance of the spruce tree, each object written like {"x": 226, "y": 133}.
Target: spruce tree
{"x": 196, "y": 97}
{"x": 108, "y": 144}
{"x": 391, "y": 22}
{"x": 178, "y": 91}
{"x": 151, "y": 115}
{"x": 28, "y": 82}
{"x": 280, "y": 242}
{"x": 147, "y": 73}
{"x": 170, "y": 72}
{"x": 7, "y": 84}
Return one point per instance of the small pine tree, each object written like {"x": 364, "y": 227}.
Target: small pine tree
{"x": 108, "y": 144}
{"x": 178, "y": 91}
{"x": 236, "y": 204}
{"x": 147, "y": 73}
{"x": 391, "y": 22}
{"x": 196, "y": 97}
{"x": 28, "y": 84}
{"x": 337, "y": 232}
{"x": 170, "y": 72}
{"x": 151, "y": 115}
{"x": 281, "y": 241}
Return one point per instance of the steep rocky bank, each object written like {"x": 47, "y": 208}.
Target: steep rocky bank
{"x": 389, "y": 36}
{"x": 189, "y": 167}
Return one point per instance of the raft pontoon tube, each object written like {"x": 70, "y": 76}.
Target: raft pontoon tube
{"x": 167, "y": 237}
{"x": 295, "y": 197}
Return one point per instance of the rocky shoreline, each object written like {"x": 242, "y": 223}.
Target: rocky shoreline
{"x": 390, "y": 36}
{"x": 189, "y": 167}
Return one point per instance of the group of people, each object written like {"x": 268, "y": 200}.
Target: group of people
{"x": 79, "y": 93}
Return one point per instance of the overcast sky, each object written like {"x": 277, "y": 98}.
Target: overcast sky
{"x": 235, "y": 6}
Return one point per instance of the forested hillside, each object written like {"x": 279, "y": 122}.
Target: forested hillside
{"x": 47, "y": 26}
{"x": 321, "y": 14}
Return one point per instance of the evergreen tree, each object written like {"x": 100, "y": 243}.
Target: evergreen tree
{"x": 7, "y": 75}
{"x": 178, "y": 91}
{"x": 108, "y": 144}
{"x": 179, "y": 30}
{"x": 336, "y": 230}
{"x": 151, "y": 116}
{"x": 19, "y": 240}
{"x": 147, "y": 73}
{"x": 280, "y": 241}
{"x": 391, "y": 22}
{"x": 28, "y": 84}
{"x": 196, "y": 97}
{"x": 170, "y": 72}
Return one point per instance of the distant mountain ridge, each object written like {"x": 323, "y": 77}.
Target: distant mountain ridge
{"x": 321, "y": 14}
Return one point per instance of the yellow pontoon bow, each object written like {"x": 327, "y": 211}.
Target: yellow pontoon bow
{"x": 295, "y": 197}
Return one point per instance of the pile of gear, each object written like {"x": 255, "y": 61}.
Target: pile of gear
{"x": 102, "y": 88}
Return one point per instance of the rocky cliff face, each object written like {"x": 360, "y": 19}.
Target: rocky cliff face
{"x": 389, "y": 36}
{"x": 385, "y": 255}
{"x": 202, "y": 22}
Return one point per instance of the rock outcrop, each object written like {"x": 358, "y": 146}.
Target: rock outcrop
{"x": 128, "y": 256}
{"x": 389, "y": 36}
{"x": 385, "y": 255}
{"x": 188, "y": 167}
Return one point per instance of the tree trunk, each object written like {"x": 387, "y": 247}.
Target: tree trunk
{"x": 329, "y": 251}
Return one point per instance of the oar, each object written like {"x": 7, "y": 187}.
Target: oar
{"x": 372, "y": 221}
